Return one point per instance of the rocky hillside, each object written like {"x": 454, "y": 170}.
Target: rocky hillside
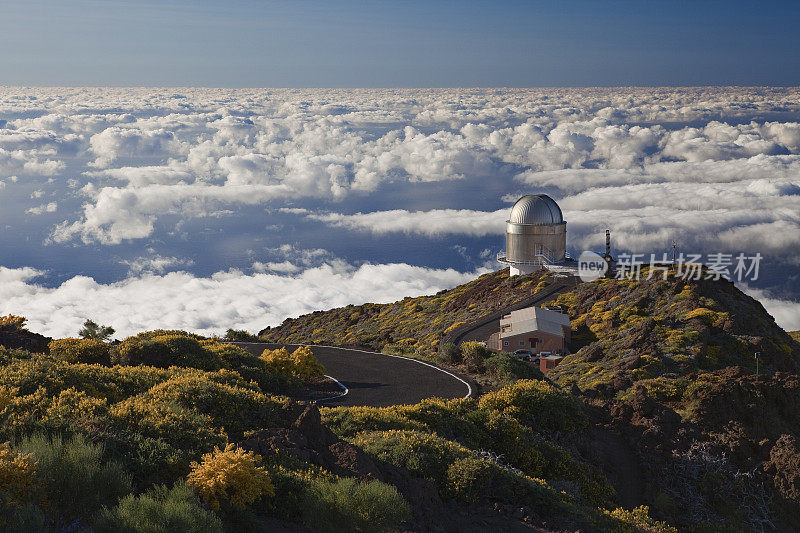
{"x": 418, "y": 323}
{"x": 677, "y": 418}
{"x": 666, "y": 369}
{"x": 624, "y": 331}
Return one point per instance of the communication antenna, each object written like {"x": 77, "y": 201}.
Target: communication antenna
{"x": 674, "y": 248}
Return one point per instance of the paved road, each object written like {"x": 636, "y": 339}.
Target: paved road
{"x": 376, "y": 379}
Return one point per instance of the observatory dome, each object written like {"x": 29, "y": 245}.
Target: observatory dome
{"x": 536, "y": 235}
{"x": 536, "y": 209}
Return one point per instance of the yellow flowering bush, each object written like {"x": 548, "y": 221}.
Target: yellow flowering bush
{"x": 7, "y": 395}
{"x": 454, "y": 326}
{"x": 708, "y": 316}
{"x": 17, "y": 477}
{"x": 72, "y": 404}
{"x": 230, "y": 476}
{"x": 305, "y": 364}
{"x": 74, "y": 350}
{"x": 13, "y": 320}
{"x": 537, "y": 403}
{"x": 278, "y": 360}
{"x": 300, "y": 363}
{"x": 636, "y": 520}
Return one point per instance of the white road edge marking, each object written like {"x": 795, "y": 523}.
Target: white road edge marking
{"x": 345, "y": 389}
{"x": 469, "y": 387}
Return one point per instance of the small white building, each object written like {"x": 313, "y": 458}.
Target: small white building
{"x": 533, "y": 328}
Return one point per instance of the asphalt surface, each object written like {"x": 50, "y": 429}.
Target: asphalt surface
{"x": 376, "y": 379}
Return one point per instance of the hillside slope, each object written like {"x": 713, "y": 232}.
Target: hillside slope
{"x": 678, "y": 420}
{"x": 417, "y": 323}
{"x": 626, "y": 330}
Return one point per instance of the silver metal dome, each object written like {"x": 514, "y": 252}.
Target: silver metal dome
{"x": 536, "y": 209}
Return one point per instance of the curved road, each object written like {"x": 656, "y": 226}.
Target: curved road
{"x": 376, "y": 379}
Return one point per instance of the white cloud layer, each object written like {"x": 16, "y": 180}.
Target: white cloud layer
{"x": 231, "y": 299}
{"x": 785, "y": 312}
{"x": 102, "y": 167}
{"x": 148, "y": 153}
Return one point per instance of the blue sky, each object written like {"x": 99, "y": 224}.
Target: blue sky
{"x": 251, "y": 43}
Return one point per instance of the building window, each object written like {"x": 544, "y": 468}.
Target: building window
{"x": 522, "y": 343}
{"x": 505, "y": 343}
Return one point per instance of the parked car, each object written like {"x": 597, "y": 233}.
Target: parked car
{"x": 523, "y": 354}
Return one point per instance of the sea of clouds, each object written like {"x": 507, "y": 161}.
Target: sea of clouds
{"x": 205, "y": 209}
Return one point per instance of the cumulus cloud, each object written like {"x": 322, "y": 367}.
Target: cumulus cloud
{"x": 117, "y": 214}
{"x": 228, "y": 299}
{"x": 213, "y": 149}
{"x": 286, "y": 267}
{"x": 115, "y": 142}
{"x": 756, "y": 208}
{"x": 708, "y": 167}
{"x": 49, "y": 207}
{"x": 435, "y": 222}
{"x": 155, "y": 263}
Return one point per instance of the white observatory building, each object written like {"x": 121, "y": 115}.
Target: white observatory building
{"x": 536, "y": 235}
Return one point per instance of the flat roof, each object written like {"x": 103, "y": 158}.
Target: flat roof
{"x": 532, "y": 319}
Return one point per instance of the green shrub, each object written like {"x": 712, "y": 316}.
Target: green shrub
{"x": 80, "y": 350}
{"x": 165, "y": 350}
{"x": 159, "y": 510}
{"x": 234, "y": 405}
{"x": 456, "y": 471}
{"x": 76, "y": 478}
{"x": 422, "y": 454}
{"x": 539, "y": 404}
{"x": 506, "y": 368}
{"x": 93, "y": 330}
{"x": 347, "y": 504}
{"x": 135, "y": 351}
{"x": 475, "y": 355}
{"x": 470, "y": 479}
{"x": 240, "y": 335}
{"x": 27, "y": 519}
{"x": 184, "y": 429}
{"x": 449, "y": 353}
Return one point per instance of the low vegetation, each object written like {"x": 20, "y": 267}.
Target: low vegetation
{"x": 657, "y": 421}
{"x": 626, "y": 330}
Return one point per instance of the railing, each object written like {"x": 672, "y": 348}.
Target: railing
{"x": 539, "y": 251}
